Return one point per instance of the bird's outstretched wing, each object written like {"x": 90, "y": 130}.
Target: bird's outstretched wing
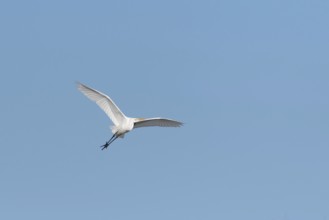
{"x": 162, "y": 122}
{"x": 104, "y": 102}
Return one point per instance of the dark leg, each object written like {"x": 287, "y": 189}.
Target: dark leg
{"x": 110, "y": 141}
{"x": 113, "y": 139}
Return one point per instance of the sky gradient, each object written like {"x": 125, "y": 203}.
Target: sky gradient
{"x": 250, "y": 80}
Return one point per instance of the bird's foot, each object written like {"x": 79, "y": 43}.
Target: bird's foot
{"x": 105, "y": 145}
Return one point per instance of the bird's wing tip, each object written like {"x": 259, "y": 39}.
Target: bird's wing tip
{"x": 78, "y": 83}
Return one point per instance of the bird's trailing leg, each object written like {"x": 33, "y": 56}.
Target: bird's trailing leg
{"x": 114, "y": 136}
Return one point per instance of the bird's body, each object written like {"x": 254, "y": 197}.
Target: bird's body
{"x": 121, "y": 123}
{"x": 123, "y": 128}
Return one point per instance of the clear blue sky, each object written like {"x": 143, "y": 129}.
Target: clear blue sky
{"x": 250, "y": 79}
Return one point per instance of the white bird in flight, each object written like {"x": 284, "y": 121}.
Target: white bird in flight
{"x": 122, "y": 123}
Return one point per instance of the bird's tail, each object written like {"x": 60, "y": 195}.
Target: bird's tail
{"x": 115, "y": 130}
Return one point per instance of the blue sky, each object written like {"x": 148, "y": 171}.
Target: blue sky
{"x": 249, "y": 79}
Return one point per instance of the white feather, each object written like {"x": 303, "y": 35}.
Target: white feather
{"x": 161, "y": 122}
{"x": 104, "y": 102}
{"x": 122, "y": 123}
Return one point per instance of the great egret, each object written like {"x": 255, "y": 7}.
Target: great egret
{"x": 122, "y": 123}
